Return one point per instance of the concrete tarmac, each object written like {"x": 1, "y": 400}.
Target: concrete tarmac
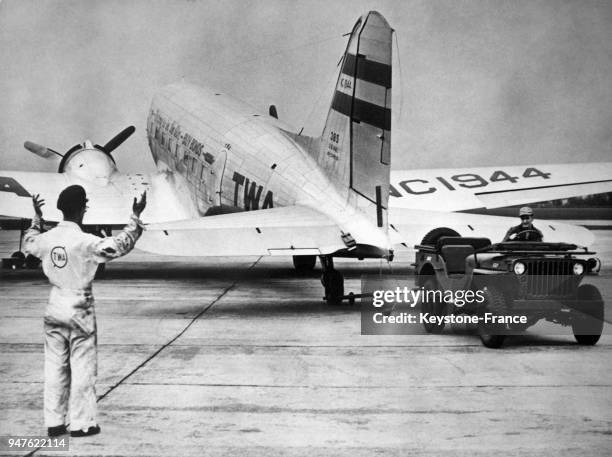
{"x": 242, "y": 357}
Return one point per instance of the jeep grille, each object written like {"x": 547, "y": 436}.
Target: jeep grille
{"x": 550, "y": 278}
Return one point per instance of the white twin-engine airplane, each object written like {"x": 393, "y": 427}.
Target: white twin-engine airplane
{"x": 232, "y": 181}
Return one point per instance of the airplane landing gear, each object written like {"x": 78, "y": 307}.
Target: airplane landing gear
{"x": 333, "y": 282}
{"x": 18, "y": 259}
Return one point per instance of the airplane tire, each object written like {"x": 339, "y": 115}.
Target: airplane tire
{"x": 31, "y": 262}
{"x": 432, "y": 237}
{"x": 492, "y": 335}
{"x": 304, "y": 263}
{"x": 587, "y": 324}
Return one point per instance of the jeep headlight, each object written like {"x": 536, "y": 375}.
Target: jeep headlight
{"x": 578, "y": 269}
{"x": 593, "y": 265}
{"x": 519, "y": 268}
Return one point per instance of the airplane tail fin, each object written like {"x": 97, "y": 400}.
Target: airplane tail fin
{"x": 355, "y": 145}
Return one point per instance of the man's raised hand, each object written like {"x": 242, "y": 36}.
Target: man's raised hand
{"x": 139, "y": 206}
{"x": 38, "y": 203}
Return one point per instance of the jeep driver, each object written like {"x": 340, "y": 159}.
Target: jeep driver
{"x": 525, "y": 231}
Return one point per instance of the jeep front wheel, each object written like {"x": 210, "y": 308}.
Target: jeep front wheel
{"x": 493, "y": 335}
{"x": 587, "y": 318}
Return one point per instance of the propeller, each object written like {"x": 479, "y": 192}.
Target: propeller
{"x": 39, "y": 150}
{"x": 111, "y": 145}
{"x": 116, "y": 141}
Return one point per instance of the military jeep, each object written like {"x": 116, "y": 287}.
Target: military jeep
{"x": 519, "y": 283}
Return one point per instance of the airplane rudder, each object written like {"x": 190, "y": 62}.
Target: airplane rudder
{"x": 363, "y": 88}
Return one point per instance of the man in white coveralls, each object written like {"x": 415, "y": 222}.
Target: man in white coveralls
{"x": 70, "y": 259}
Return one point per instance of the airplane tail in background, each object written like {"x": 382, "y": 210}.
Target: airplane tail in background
{"x": 355, "y": 145}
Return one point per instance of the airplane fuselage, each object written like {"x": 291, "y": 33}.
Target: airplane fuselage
{"x": 220, "y": 152}
{"x": 231, "y": 159}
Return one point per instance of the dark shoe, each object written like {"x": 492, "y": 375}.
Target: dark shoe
{"x": 90, "y": 431}
{"x": 57, "y": 430}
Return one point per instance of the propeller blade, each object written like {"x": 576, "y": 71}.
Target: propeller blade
{"x": 39, "y": 150}
{"x": 116, "y": 141}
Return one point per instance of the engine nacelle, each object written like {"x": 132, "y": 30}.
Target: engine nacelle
{"x": 89, "y": 163}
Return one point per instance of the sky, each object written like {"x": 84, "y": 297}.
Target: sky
{"x": 476, "y": 83}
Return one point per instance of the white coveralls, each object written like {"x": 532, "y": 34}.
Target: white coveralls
{"x": 70, "y": 259}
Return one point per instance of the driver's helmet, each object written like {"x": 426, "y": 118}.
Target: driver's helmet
{"x": 525, "y": 211}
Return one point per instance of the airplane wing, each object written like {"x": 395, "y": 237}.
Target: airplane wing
{"x": 174, "y": 227}
{"x": 109, "y": 204}
{"x": 299, "y": 230}
{"x": 17, "y": 188}
{"x": 292, "y": 230}
{"x": 407, "y": 227}
{"x": 495, "y": 187}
